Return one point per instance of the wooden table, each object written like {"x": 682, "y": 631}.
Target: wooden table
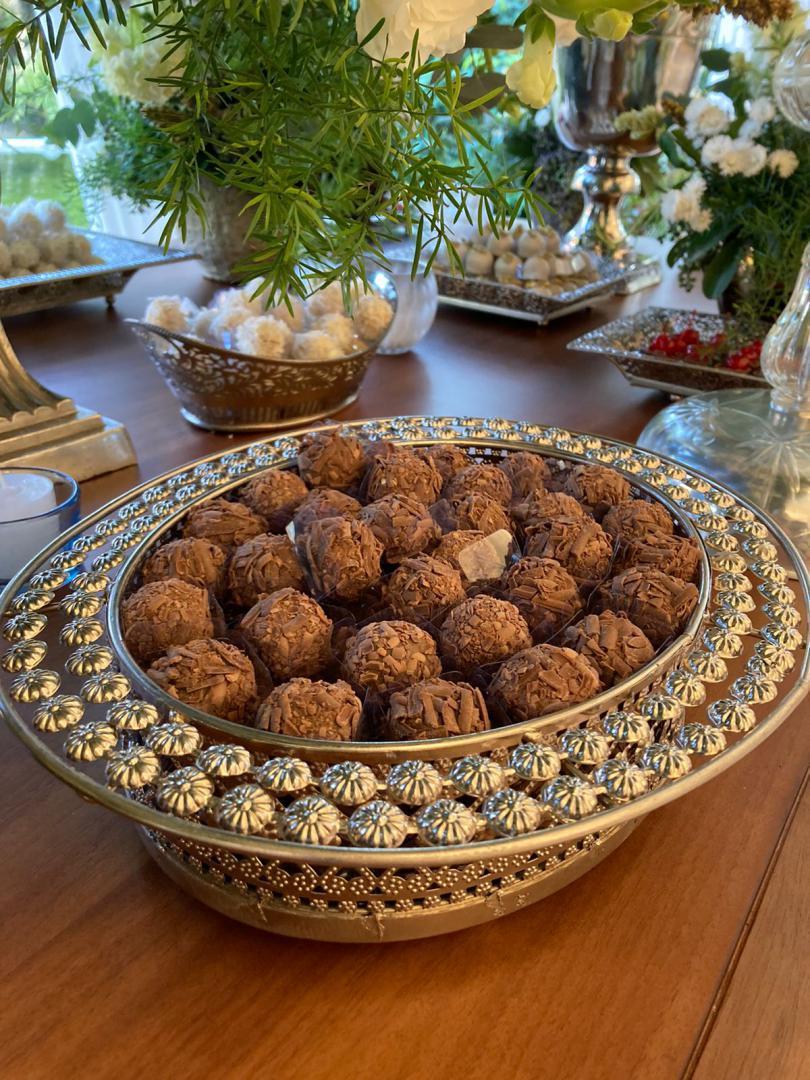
{"x": 684, "y": 954}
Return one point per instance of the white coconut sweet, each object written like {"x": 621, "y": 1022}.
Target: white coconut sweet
{"x": 507, "y": 268}
{"x": 200, "y": 325}
{"x": 562, "y": 266}
{"x": 531, "y": 242}
{"x": 173, "y": 313}
{"x": 372, "y": 317}
{"x": 296, "y": 318}
{"x": 552, "y": 241}
{"x": 51, "y": 214}
{"x": 80, "y": 249}
{"x": 581, "y": 262}
{"x": 227, "y": 319}
{"x": 340, "y": 327}
{"x": 315, "y": 345}
{"x": 264, "y": 336}
{"x": 326, "y": 301}
{"x": 23, "y": 223}
{"x": 536, "y": 268}
{"x": 24, "y": 254}
{"x": 500, "y": 244}
{"x": 479, "y": 261}
{"x": 55, "y": 247}
{"x": 5, "y": 258}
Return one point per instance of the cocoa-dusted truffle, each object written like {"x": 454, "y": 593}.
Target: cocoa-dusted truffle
{"x": 388, "y": 655}
{"x": 224, "y": 523}
{"x": 311, "y": 709}
{"x": 261, "y": 566}
{"x": 402, "y": 524}
{"x": 527, "y": 473}
{"x": 480, "y": 479}
{"x": 213, "y": 676}
{"x": 543, "y": 679}
{"x": 324, "y": 503}
{"x": 479, "y": 511}
{"x": 545, "y": 506}
{"x": 404, "y": 472}
{"x": 596, "y": 487}
{"x": 197, "y": 561}
{"x": 164, "y": 613}
{"x": 543, "y": 592}
{"x": 452, "y": 543}
{"x": 612, "y": 642}
{"x": 331, "y": 459}
{"x": 482, "y": 630}
{"x": 424, "y": 587}
{"x": 577, "y": 543}
{"x": 657, "y": 603}
{"x": 291, "y": 633}
{"x": 435, "y": 709}
{"x": 637, "y": 517}
{"x": 275, "y": 494}
{"x": 343, "y": 557}
{"x": 447, "y": 458}
{"x": 678, "y": 556}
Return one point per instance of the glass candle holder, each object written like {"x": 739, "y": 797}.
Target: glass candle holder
{"x": 36, "y": 505}
{"x": 417, "y": 301}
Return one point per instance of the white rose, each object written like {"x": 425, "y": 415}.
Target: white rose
{"x": 532, "y": 77}
{"x": 761, "y": 111}
{"x": 783, "y": 162}
{"x": 442, "y": 25}
{"x": 714, "y": 149}
{"x": 743, "y": 157}
{"x": 695, "y": 186}
{"x": 707, "y": 116}
{"x": 701, "y": 220}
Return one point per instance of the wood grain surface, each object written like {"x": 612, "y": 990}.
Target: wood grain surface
{"x": 684, "y": 952}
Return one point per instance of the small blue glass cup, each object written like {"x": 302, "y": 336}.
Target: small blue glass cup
{"x": 36, "y": 505}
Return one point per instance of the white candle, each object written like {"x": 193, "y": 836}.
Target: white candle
{"x": 24, "y": 497}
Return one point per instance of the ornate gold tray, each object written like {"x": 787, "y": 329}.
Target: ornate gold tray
{"x": 376, "y": 842}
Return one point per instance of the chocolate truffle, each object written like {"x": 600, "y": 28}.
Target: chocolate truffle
{"x": 543, "y": 679}
{"x": 343, "y": 557}
{"x": 388, "y": 655}
{"x": 453, "y": 542}
{"x": 480, "y": 479}
{"x": 597, "y": 487}
{"x": 482, "y": 630}
{"x": 324, "y": 503}
{"x": 636, "y": 518}
{"x": 545, "y": 506}
{"x": 402, "y": 524}
{"x": 197, "y": 561}
{"x": 224, "y": 523}
{"x": 261, "y": 566}
{"x": 479, "y": 511}
{"x": 447, "y": 458}
{"x": 331, "y": 459}
{"x": 543, "y": 592}
{"x": 290, "y": 632}
{"x": 435, "y": 709}
{"x": 404, "y": 472}
{"x": 527, "y": 473}
{"x": 678, "y": 556}
{"x": 213, "y": 676}
{"x": 657, "y": 603}
{"x": 424, "y": 587}
{"x": 612, "y": 642}
{"x": 164, "y": 613}
{"x": 275, "y": 494}
{"x": 577, "y": 543}
{"x": 311, "y": 709}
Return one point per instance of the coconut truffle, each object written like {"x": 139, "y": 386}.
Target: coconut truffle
{"x": 612, "y": 643}
{"x": 340, "y": 328}
{"x": 635, "y": 518}
{"x": 527, "y": 473}
{"x": 170, "y": 312}
{"x": 164, "y": 613}
{"x": 324, "y": 503}
{"x": 264, "y": 336}
{"x": 343, "y": 557}
{"x": 402, "y": 524}
{"x": 577, "y": 543}
{"x": 212, "y": 676}
{"x": 678, "y": 556}
{"x": 543, "y": 506}
{"x": 24, "y": 254}
{"x": 326, "y": 301}
{"x": 261, "y": 566}
{"x": 543, "y": 592}
{"x": 658, "y": 604}
{"x": 372, "y": 317}
{"x": 482, "y": 630}
{"x": 596, "y": 487}
{"x": 275, "y": 494}
{"x": 226, "y": 524}
{"x": 543, "y": 679}
{"x": 311, "y": 709}
{"x": 423, "y": 587}
{"x": 402, "y": 472}
{"x": 315, "y": 346}
{"x": 196, "y": 561}
{"x": 447, "y": 458}
{"x": 435, "y": 709}
{"x": 452, "y": 543}
{"x": 479, "y": 512}
{"x": 291, "y": 633}
{"x": 389, "y": 655}
{"x": 295, "y": 316}
{"x": 331, "y": 459}
{"x": 480, "y": 479}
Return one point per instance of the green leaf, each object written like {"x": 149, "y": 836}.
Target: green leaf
{"x": 670, "y": 147}
{"x": 716, "y": 59}
{"x": 720, "y": 272}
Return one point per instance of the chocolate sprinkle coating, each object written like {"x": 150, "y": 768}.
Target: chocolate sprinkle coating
{"x": 324, "y": 503}
{"x": 311, "y": 709}
{"x": 656, "y": 602}
{"x": 261, "y": 566}
{"x": 542, "y": 680}
{"x": 480, "y": 479}
{"x": 275, "y": 494}
{"x": 452, "y": 543}
{"x": 213, "y": 676}
{"x": 615, "y": 645}
{"x": 390, "y": 655}
{"x": 481, "y": 512}
{"x": 546, "y": 506}
{"x": 544, "y": 592}
{"x": 447, "y": 458}
{"x": 331, "y": 459}
{"x": 424, "y": 587}
{"x": 402, "y": 524}
{"x": 291, "y": 633}
{"x": 577, "y": 543}
{"x": 597, "y": 487}
{"x": 482, "y": 630}
{"x": 527, "y": 473}
{"x": 224, "y": 523}
{"x": 404, "y": 472}
{"x": 636, "y": 518}
{"x": 196, "y": 561}
{"x": 343, "y": 557}
{"x": 162, "y": 614}
{"x": 678, "y": 556}
{"x": 435, "y": 709}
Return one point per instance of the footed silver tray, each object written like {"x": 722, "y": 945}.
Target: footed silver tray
{"x": 336, "y": 842}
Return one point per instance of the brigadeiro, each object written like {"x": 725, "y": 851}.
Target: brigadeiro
{"x": 656, "y": 602}
{"x": 636, "y": 518}
{"x": 543, "y": 592}
{"x": 402, "y": 524}
{"x": 164, "y": 613}
{"x": 480, "y": 479}
{"x": 527, "y": 473}
{"x": 543, "y": 679}
{"x": 224, "y": 523}
{"x": 612, "y": 642}
{"x": 402, "y": 471}
{"x": 275, "y": 494}
{"x": 343, "y": 557}
{"x": 447, "y": 458}
{"x": 435, "y": 709}
{"x": 678, "y": 556}
{"x": 596, "y": 487}
{"x": 424, "y": 587}
{"x": 324, "y": 503}
{"x": 331, "y": 459}
{"x": 197, "y": 561}
{"x": 213, "y": 676}
{"x": 389, "y": 655}
{"x": 452, "y": 543}
{"x": 482, "y": 630}
{"x": 578, "y": 543}
{"x": 261, "y": 566}
{"x": 545, "y": 506}
{"x": 311, "y": 709}
{"x": 480, "y": 512}
{"x": 290, "y": 632}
